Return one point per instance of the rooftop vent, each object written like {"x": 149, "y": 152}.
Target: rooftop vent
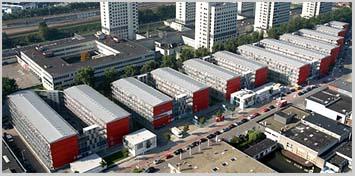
{"x": 305, "y": 139}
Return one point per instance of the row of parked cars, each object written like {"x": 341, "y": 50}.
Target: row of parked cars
{"x": 307, "y": 89}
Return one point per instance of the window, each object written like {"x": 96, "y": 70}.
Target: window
{"x": 140, "y": 145}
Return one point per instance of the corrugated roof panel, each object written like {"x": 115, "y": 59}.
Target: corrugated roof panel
{"x": 41, "y": 116}
{"x": 237, "y": 59}
{"x": 100, "y": 106}
{"x": 304, "y": 41}
{"x": 142, "y": 91}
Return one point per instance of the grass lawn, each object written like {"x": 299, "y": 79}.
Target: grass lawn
{"x": 115, "y": 157}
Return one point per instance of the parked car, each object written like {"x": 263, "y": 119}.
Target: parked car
{"x": 293, "y": 90}
{"x": 252, "y": 116}
{"x": 281, "y": 103}
{"x": 271, "y": 107}
{"x": 244, "y": 120}
{"x": 158, "y": 161}
{"x": 300, "y": 93}
{"x": 265, "y": 110}
{"x": 8, "y": 137}
{"x": 150, "y": 170}
{"x": 232, "y": 126}
{"x": 210, "y": 136}
{"x": 217, "y": 133}
{"x": 202, "y": 140}
{"x": 226, "y": 129}
{"x": 168, "y": 156}
{"x": 178, "y": 151}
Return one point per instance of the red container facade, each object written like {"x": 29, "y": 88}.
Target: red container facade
{"x": 116, "y": 130}
{"x": 64, "y": 151}
{"x": 162, "y": 114}
{"x": 304, "y": 72}
{"x": 233, "y": 85}
{"x": 200, "y": 100}
{"x": 261, "y": 76}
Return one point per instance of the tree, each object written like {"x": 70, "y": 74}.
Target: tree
{"x": 43, "y": 30}
{"x": 110, "y": 75}
{"x": 201, "y": 52}
{"x": 9, "y": 86}
{"x": 202, "y": 120}
{"x": 235, "y": 140}
{"x": 125, "y": 152}
{"x": 85, "y": 75}
{"x": 167, "y": 136}
{"x": 219, "y": 113}
{"x": 168, "y": 61}
{"x": 130, "y": 71}
{"x": 6, "y": 41}
{"x": 186, "y": 53}
{"x": 149, "y": 66}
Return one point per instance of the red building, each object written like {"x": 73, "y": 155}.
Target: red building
{"x": 174, "y": 83}
{"x": 95, "y": 109}
{"x": 154, "y": 107}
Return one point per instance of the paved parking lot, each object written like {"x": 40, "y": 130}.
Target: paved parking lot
{"x": 24, "y": 79}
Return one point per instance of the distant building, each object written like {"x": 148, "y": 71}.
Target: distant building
{"x": 112, "y": 122}
{"x": 317, "y": 35}
{"x": 281, "y": 68}
{"x": 154, "y": 106}
{"x": 49, "y": 136}
{"x": 57, "y": 62}
{"x": 313, "y": 9}
{"x": 330, "y": 104}
{"x": 319, "y": 62}
{"x": 223, "y": 82}
{"x": 140, "y": 141}
{"x": 215, "y": 22}
{"x": 185, "y": 12}
{"x": 10, "y": 7}
{"x": 313, "y": 44}
{"x": 174, "y": 84}
{"x": 246, "y": 8}
{"x": 269, "y": 14}
{"x": 119, "y": 19}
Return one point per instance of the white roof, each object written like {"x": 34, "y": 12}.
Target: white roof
{"x": 329, "y": 30}
{"x": 320, "y": 35}
{"x": 41, "y": 116}
{"x": 138, "y": 89}
{"x": 179, "y": 79}
{"x": 98, "y": 105}
{"x": 272, "y": 56}
{"x": 304, "y": 41}
{"x": 237, "y": 59}
{"x": 139, "y": 136}
{"x": 86, "y": 164}
{"x": 338, "y": 24}
{"x": 291, "y": 48}
{"x": 211, "y": 69}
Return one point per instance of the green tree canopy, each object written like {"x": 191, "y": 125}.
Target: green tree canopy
{"x": 6, "y": 42}
{"x": 168, "y": 61}
{"x": 201, "y": 52}
{"x": 85, "y": 75}
{"x": 9, "y": 86}
{"x": 130, "y": 71}
{"x": 43, "y": 30}
{"x": 149, "y": 66}
{"x": 110, "y": 75}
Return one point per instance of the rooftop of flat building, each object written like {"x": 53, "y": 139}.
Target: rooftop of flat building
{"x": 310, "y": 137}
{"x": 342, "y": 84}
{"x": 179, "y": 79}
{"x": 332, "y": 100}
{"x": 139, "y": 136}
{"x": 222, "y": 158}
{"x": 328, "y": 29}
{"x": 56, "y": 65}
{"x": 275, "y": 57}
{"x": 237, "y": 59}
{"x": 98, "y": 105}
{"x": 319, "y": 34}
{"x": 211, "y": 69}
{"x": 308, "y": 41}
{"x": 338, "y": 23}
{"x": 277, "y": 126}
{"x": 142, "y": 91}
{"x": 345, "y": 149}
{"x": 328, "y": 124}
{"x": 337, "y": 160}
{"x": 259, "y": 147}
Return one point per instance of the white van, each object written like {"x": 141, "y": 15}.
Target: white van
{"x": 177, "y": 132}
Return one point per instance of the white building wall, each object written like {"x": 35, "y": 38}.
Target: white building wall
{"x": 269, "y": 14}
{"x": 119, "y": 19}
{"x": 312, "y": 9}
{"x": 215, "y": 22}
{"x": 185, "y": 12}
{"x": 322, "y": 110}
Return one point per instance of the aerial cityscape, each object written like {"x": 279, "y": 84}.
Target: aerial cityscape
{"x": 176, "y": 87}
